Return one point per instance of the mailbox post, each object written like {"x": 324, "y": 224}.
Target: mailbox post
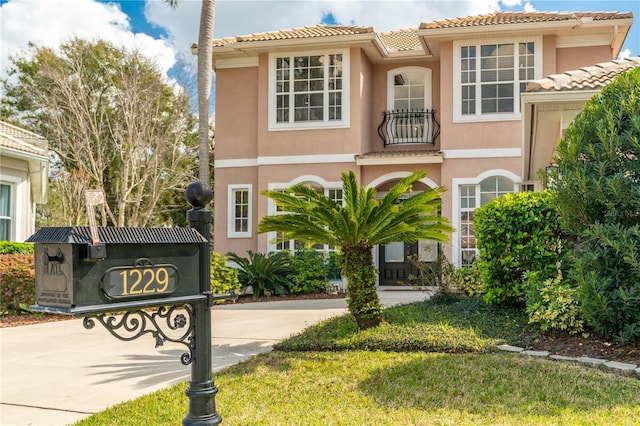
{"x": 96, "y": 272}
{"x": 202, "y": 390}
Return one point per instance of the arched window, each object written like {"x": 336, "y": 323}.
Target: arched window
{"x": 409, "y": 118}
{"x": 333, "y": 190}
{"x": 409, "y": 89}
{"x": 471, "y": 197}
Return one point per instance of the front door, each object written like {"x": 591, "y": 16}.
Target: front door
{"x": 394, "y": 263}
{"x": 397, "y": 261}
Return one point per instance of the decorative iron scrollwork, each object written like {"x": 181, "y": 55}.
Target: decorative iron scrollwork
{"x": 167, "y": 324}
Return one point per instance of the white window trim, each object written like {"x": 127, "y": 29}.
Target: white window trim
{"x": 15, "y": 200}
{"x": 346, "y": 93}
{"x": 231, "y": 232}
{"x": 391, "y": 84}
{"x": 458, "y": 117}
{"x": 455, "y": 203}
{"x": 271, "y": 205}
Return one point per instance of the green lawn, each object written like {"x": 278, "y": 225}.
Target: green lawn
{"x": 437, "y": 367}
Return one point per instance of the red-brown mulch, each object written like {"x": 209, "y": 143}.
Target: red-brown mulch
{"x": 15, "y": 320}
{"x": 593, "y": 347}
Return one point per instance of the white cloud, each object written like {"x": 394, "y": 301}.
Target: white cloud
{"x": 626, "y": 53}
{"x": 528, "y": 7}
{"x": 241, "y": 17}
{"x": 511, "y": 3}
{"x": 48, "y": 23}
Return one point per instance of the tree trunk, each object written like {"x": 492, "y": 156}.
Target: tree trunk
{"x": 362, "y": 298}
{"x": 205, "y": 48}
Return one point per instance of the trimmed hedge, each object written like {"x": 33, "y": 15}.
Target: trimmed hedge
{"x": 17, "y": 281}
{"x": 516, "y": 233}
{"x": 12, "y": 247}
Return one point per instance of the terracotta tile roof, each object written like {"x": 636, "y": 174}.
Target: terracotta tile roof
{"x": 586, "y": 78}
{"x": 502, "y": 18}
{"x": 401, "y": 40}
{"x": 15, "y": 138}
{"x": 297, "y": 33}
{"x": 398, "y": 154}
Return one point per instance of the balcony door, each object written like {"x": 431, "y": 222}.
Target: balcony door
{"x": 409, "y": 96}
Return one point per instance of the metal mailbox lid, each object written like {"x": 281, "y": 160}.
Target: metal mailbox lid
{"x": 115, "y": 235}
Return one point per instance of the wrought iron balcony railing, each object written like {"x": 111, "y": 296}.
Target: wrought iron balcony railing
{"x": 409, "y": 127}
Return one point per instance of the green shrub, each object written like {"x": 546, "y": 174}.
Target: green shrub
{"x": 17, "y": 281}
{"x": 554, "y": 304}
{"x": 607, "y": 269}
{"x": 265, "y": 274}
{"x": 599, "y": 198}
{"x": 12, "y": 247}
{"x": 223, "y": 277}
{"x": 516, "y": 233}
{"x": 467, "y": 280}
{"x": 308, "y": 272}
{"x": 445, "y": 276}
{"x": 431, "y": 274}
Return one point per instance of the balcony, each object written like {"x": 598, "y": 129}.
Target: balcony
{"x": 401, "y": 127}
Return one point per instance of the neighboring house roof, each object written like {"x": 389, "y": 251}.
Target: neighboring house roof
{"x": 502, "y": 18}
{"x": 587, "y": 78}
{"x": 20, "y": 140}
{"x": 32, "y": 148}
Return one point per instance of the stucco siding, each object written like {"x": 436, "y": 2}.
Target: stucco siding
{"x": 572, "y": 58}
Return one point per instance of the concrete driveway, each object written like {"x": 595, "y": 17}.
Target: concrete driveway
{"x": 58, "y": 373}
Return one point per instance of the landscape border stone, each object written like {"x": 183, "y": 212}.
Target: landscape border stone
{"x": 619, "y": 368}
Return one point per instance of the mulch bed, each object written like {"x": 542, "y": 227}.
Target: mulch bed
{"x": 592, "y": 347}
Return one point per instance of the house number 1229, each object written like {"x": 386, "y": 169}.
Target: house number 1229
{"x": 133, "y": 282}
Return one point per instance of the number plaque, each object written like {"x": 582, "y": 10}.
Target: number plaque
{"x": 144, "y": 279}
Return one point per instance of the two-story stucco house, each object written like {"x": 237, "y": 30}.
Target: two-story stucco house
{"x": 305, "y": 104}
{"x": 24, "y": 165}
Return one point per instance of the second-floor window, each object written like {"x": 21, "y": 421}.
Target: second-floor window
{"x": 308, "y": 90}
{"x": 489, "y": 77}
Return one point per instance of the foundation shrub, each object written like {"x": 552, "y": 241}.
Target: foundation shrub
{"x": 554, "y": 304}
{"x": 17, "y": 281}
{"x": 467, "y": 280}
{"x": 308, "y": 272}
{"x": 12, "y": 247}
{"x": 266, "y": 274}
{"x": 516, "y": 233}
{"x": 224, "y": 278}
{"x": 599, "y": 197}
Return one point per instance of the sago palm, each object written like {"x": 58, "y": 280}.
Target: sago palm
{"x": 356, "y": 227}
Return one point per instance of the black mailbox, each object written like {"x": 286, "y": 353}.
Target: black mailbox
{"x": 128, "y": 267}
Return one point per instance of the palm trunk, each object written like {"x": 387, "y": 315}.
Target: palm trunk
{"x": 362, "y": 299}
{"x": 205, "y": 48}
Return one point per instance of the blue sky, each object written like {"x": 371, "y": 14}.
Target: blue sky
{"x": 166, "y": 35}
